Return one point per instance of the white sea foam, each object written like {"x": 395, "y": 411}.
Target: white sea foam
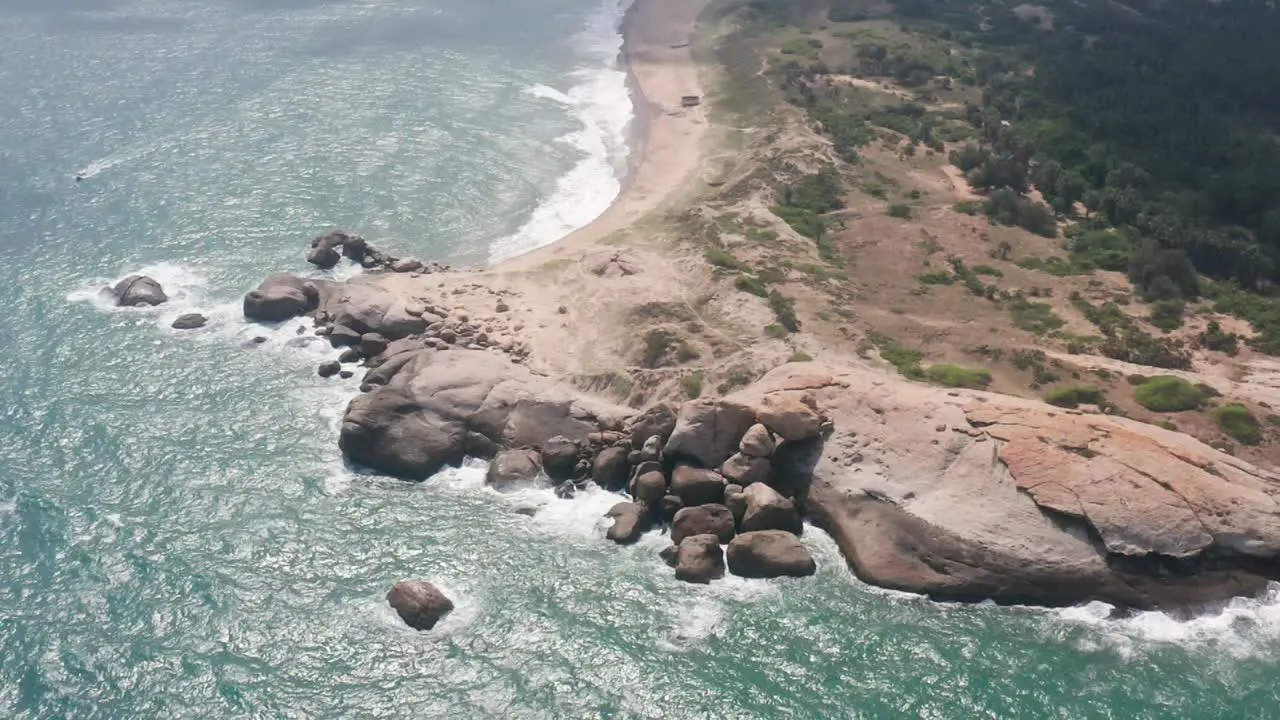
{"x": 1244, "y": 627}
{"x": 601, "y": 101}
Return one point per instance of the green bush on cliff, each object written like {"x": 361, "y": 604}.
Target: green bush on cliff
{"x": 1073, "y": 395}
{"x": 1166, "y": 393}
{"x": 1238, "y": 423}
{"x": 958, "y": 376}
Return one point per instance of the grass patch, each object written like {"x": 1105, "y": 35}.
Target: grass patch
{"x": 938, "y": 277}
{"x": 1239, "y": 424}
{"x": 958, "y": 376}
{"x": 1074, "y": 395}
{"x": 905, "y": 359}
{"x": 775, "y": 330}
{"x": 723, "y": 259}
{"x": 987, "y": 270}
{"x": 1038, "y": 318}
{"x": 692, "y": 385}
{"x": 784, "y": 309}
{"x": 1166, "y": 393}
{"x": 751, "y": 284}
{"x": 800, "y": 356}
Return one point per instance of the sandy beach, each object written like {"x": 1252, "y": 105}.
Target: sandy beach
{"x": 667, "y": 142}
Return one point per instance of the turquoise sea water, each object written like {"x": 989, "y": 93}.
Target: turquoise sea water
{"x": 178, "y": 536}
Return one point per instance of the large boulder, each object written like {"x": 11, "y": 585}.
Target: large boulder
{"x": 791, "y": 416}
{"x": 426, "y": 408}
{"x": 769, "y": 554}
{"x": 325, "y": 249}
{"x": 710, "y": 519}
{"x": 372, "y": 344}
{"x": 630, "y": 520}
{"x": 757, "y": 442}
{"x": 560, "y": 458}
{"x": 657, "y": 421}
{"x": 609, "y": 470}
{"x": 512, "y": 468}
{"x": 744, "y": 469}
{"x": 696, "y": 486}
{"x": 419, "y": 604}
{"x": 736, "y": 500}
{"x": 137, "y": 290}
{"x": 767, "y": 510}
{"x": 699, "y": 559}
{"x": 281, "y": 297}
{"x": 707, "y": 432}
{"x": 649, "y": 488}
{"x": 190, "y": 321}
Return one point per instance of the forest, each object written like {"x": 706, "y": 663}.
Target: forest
{"x": 1148, "y": 123}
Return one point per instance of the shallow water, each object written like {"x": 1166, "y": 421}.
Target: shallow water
{"x": 178, "y": 536}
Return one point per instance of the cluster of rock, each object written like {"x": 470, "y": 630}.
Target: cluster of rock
{"x": 708, "y": 474}
{"x": 328, "y": 250}
{"x": 146, "y": 291}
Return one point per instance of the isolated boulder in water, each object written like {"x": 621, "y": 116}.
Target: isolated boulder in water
{"x": 329, "y": 369}
{"x": 281, "y": 297}
{"x": 511, "y": 468}
{"x": 710, "y": 519}
{"x": 420, "y": 604}
{"x": 769, "y": 554}
{"x": 190, "y": 321}
{"x": 138, "y": 290}
{"x": 699, "y": 559}
{"x": 630, "y": 520}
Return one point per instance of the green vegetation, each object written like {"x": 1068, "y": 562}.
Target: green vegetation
{"x": 803, "y": 203}
{"x": 938, "y": 277}
{"x": 905, "y": 359}
{"x": 1039, "y": 365}
{"x": 663, "y": 347}
{"x": 775, "y": 330}
{"x": 1074, "y": 395}
{"x": 1167, "y": 393}
{"x": 987, "y": 270}
{"x": 899, "y": 211}
{"x": 1055, "y": 266}
{"x": 1035, "y": 317}
{"x": 1167, "y": 314}
{"x": 723, "y": 259}
{"x": 784, "y": 309}
{"x": 1239, "y": 424}
{"x": 958, "y": 376}
{"x": 692, "y": 384}
{"x": 800, "y": 356}
{"x": 751, "y": 284}
{"x": 1215, "y": 338}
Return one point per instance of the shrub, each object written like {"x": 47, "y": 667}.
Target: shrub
{"x": 968, "y": 207}
{"x": 784, "y": 310}
{"x": 905, "y": 359}
{"x": 775, "y": 331}
{"x": 692, "y": 385}
{"x": 1239, "y": 424}
{"x": 1166, "y": 393}
{"x": 900, "y": 211}
{"x": 800, "y": 356}
{"x": 1073, "y": 395}
{"x": 987, "y": 270}
{"x": 753, "y": 285}
{"x": 1136, "y": 379}
{"x": 1215, "y": 338}
{"x": 940, "y": 277}
{"x": 958, "y": 376}
{"x": 723, "y": 259}
{"x": 1167, "y": 314}
{"x": 1034, "y": 317}
{"x": 1139, "y": 348}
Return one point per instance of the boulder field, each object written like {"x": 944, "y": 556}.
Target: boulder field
{"x": 956, "y": 494}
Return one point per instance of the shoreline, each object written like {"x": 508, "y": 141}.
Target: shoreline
{"x": 665, "y": 143}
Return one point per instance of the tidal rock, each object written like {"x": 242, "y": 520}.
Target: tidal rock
{"x": 630, "y": 520}
{"x": 372, "y": 344}
{"x": 406, "y": 265}
{"x": 349, "y": 355}
{"x": 559, "y": 458}
{"x": 609, "y": 470}
{"x": 706, "y": 519}
{"x": 788, "y": 416}
{"x": 419, "y": 604}
{"x": 512, "y": 468}
{"x": 757, "y": 442}
{"x": 670, "y": 555}
{"x": 767, "y": 510}
{"x": 281, "y": 297}
{"x": 190, "y": 321}
{"x": 699, "y": 559}
{"x": 649, "y": 488}
{"x": 479, "y": 446}
{"x": 137, "y": 290}
{"x": 343, "y": 336}
{"x": 346, "y": 374}
{"x": 328, "y": 368}
{"x": 659, "y": 420}
{"x": 745, "y": 470}
{"x": 769, "y": 554}
{"x": 707, "y": 432}
{"x": 696, "y": 486}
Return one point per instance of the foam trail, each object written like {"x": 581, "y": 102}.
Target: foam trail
{"x": 601, "y": 101}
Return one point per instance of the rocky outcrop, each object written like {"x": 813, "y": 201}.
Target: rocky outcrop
{"x": 138, "y": 290}
{"x": 968, "y": 495}
{"x": 769, "y": 554}
{"x": 512, "y": 468}
{"x": 630, "y": 520}
{"x": 281, "y": 297}
{"x": 707, "y": 432}
{"x": 744, "y": 469}
{"x": 696, "y": 486}
{"x": 371, "y": 308}
{"x": 189, "y": 321}
{"x": 609, "y": 470}
{"x": 699, "y": 559}
{"x": 419, "y": 604}
{"x": 767, "y": 510}
{"x": 422, "y": 405}
{"x": 709, "y": 519}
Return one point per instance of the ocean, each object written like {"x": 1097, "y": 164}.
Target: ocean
{"x": 178, "y": 534}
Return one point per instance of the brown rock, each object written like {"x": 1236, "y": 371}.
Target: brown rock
{"x": 745, "y": 470}
{"x": 701, "y": 520}
{"x": 560, "y": 457}
{"x": 767, "y": 510}
{"x": 769, "y": 554}
{"x": 757, "y": 442}
{"x": 699, "y": 559}
{"x": 736, "y": 501}
{"x": 419, "y": 604}
{"x": 789, "y": 417}
{"x": 372, "y": 344}
{"x": 696, "y": 486}
{"x": 649, "y": 488}
{"x": 512, "y": 468}
{"x": 659, "y": 420}
{"x": 670, "y": 555}
{"x": 670, "y": 506}
{"x": 707, "y": 432}
{"x": 630, "y": 520}
{"x": 610, "y": 469}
